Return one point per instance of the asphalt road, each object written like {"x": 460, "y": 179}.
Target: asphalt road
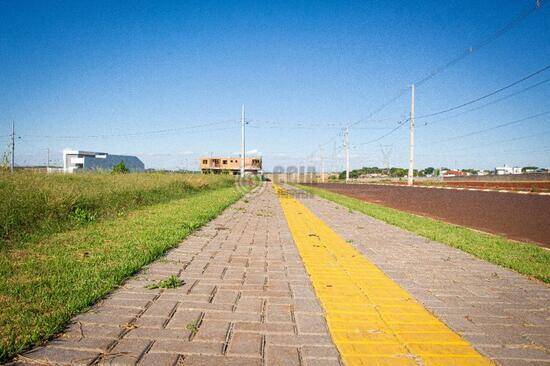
{"x": 522, "y": 217}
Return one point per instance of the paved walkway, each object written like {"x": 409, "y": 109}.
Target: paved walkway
{"x": 372, "y": 320}
{"x": 247, "y": 299}
{"x": 503, "y": 314}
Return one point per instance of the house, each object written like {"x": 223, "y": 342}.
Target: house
{"x": 507, "y": 170}
{"x": 452, "y": 173}
{"x": 230, "y": 165}
{"x": 76, "y": 161}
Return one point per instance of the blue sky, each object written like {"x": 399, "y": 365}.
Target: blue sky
{"x": 74, "y": 70}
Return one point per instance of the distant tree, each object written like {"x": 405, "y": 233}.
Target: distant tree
{"x": 120, "y": 168}
{"x": 429, "y": 170}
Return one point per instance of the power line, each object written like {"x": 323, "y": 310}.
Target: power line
{"x": 498, "y": 142}
{"x": 469, "y": 51}
{"x": 491, "y": 128}
{"x": 472, "y": 49}
{"x": 400, "y": 125}
{"x": 144, "y": 133}
{"x": 485, "y": 95}
{"x": 488, "y": 104}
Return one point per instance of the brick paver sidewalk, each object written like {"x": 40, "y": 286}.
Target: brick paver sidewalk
{"x": 247, "y": 300}
{"x": 504, "y": 315}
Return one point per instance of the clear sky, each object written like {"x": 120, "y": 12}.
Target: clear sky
{"x": 100, "y": 75}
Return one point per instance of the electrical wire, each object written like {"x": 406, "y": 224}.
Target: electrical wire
{"x": 472, "y": 49}
{"x": 400, "y": 125}
{"x": 473, "y": 133}
{"x": 144, "y": 133}
{"x": 485, "y": 95}
{"x": 486, "y": 104}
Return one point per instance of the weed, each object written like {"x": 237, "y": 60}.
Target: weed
{"x": 82, "y": 216}
{"x": 170, "y": 282}
{"x": 193, "y": 327}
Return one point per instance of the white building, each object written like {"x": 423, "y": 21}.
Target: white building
{"x": 76, "y": 160}
{"x": 507, "y": 170}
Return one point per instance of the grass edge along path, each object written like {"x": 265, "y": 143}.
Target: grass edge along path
{"x": 525, "y": 258}
{"x": 45, "y": 284}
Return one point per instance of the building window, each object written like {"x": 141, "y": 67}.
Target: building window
{"x": 225, "y": 162}
{"x": 205, "y": 161}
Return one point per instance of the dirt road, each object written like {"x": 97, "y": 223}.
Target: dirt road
{"x": 517, "y": 216}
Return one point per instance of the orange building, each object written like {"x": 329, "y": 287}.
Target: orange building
{"x": 229, "y": 165}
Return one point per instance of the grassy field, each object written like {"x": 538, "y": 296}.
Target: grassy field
{"x": 47, "y": 280}
{"x": 35, "y": 204}
{"x": 528, "y": 259}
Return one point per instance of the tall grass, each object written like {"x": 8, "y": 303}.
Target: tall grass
{"x": 33, "y": 204}
{"x": 44, "y": 283}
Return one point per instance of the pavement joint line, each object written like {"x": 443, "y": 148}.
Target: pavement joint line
{"x": 383, "y": 324}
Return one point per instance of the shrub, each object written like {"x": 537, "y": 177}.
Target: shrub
{"x": 120, "y": 168}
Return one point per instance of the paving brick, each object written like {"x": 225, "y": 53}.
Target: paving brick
{"x": 297, "y": 340}
{"x": 233, "y": 317}
{"x": 278, "y": 313}
{"x": 264, "y": 327}
{"x": 194, "y": 347}
{"x": 88, "y": 344}
{"x": 150, "y": 322}
{"x": 159, "y": 359}
{"x": 197, "y": 360}
{"x": 249, "y": 344}
{"x": 249, "y": 305}
{"x": 82, "y": 330}
{"x": 282, "y": 356}
{"x": 330, "y": 362}
{"x": 212, "y": 331}
{"x": 183, "y": 318}
{"x": 312, "y": 351}
{"x": 60, "y": 356}
{"x": 161, "y": 308}
{"x": 126, "y": 352}
{"x": 226, "y": 297}
{"x": 311, "y": 323}
{"x": 155, "y": 334}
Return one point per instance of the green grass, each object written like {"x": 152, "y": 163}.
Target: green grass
{"x": 36, "y": 204}
{"x": 525, "y": 258}
{"x": 44, "y": 283}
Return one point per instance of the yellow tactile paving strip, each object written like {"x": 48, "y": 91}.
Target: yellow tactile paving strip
{"x": 371, "y": 319}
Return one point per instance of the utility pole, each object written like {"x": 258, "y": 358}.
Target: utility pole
{"x": 411, "y": 141}
{"x": 346, "y": 144}
{"x": 12, "y": 165}
{"x": 48, "y": 161}
{"x": 242, "y": 143}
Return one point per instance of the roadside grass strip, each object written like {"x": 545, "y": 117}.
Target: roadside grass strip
{"x": 371, "y": 319}
{"x": 525, "y": 258}
{"x": 43, "y": 284}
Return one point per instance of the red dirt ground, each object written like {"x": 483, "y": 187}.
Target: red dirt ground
{"x": 520, "y": 217}
{"x": 531, "y": 186}
{"x": 511, "y": 186}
